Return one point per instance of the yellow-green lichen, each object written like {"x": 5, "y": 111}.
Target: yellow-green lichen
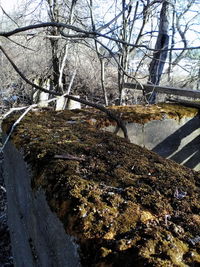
{"x": 116, "y": 198}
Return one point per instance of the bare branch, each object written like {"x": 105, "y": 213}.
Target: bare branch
{"x": 15, "y": 125}
{"x": 112, "y": 115}
{"x": 7, "y": 15}
{"x": 23, "y": 46}
{"x": 43, "y": 25}
{"x": 85, "y": 34}
{"x": 113, "y": 20}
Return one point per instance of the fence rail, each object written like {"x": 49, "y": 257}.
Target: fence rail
{"x": 164, "y": 90}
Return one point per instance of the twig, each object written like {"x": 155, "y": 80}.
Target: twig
{"x": 11, "y": 111}
{"x": 14, "y": 126}
{"x": 23, "y": 46}
{"x": 86, "y": 34}
{"x": 3, "y": 189}
{"x": 110, "y": 113}
{"x": 68, "y": 157}
{"x": 3, "y": 10}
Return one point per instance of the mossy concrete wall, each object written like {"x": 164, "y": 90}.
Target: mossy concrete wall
{"x": 117, "y": 203}
{"x": 38, "y": 238}
{"x": 172, "y": 138}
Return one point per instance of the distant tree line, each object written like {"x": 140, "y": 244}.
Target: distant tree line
{"x": 46, "y": 42}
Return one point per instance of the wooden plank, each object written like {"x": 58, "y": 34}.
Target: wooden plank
{"x": 164, "y": 90}
{"x": 185, "y": 103}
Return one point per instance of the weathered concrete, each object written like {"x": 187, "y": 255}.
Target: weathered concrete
{"x": 71, "y": 104}
{"x": 121, "y": 203}
{"x": 61, "y": 103}
{"x": 37, "y": 236}
{"x": 178, "y": 140}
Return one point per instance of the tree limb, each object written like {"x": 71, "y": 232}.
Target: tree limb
{"x": 42, "y": 25}
{"x": 112, "y": 115}
{"x": 86, "y": 34}
{"x": 7, "y": 15}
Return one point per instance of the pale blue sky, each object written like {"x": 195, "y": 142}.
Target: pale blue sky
{"x": 9, "y": 4}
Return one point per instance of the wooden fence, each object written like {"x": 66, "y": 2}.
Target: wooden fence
{"x": 164, "y": 90}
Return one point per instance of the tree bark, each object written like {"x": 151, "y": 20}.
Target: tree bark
{"x": 159, "y": 56}
{"x": 169, "y": 70}
{"x": 100, "y": 57}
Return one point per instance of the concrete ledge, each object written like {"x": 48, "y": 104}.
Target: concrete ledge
{"x": 37, "y": 235}
{"x": 81, "y": 196}
{"x": 174, "y": 139}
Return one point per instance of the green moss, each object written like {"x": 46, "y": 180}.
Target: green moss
{"x": 143, "y": 114}
{"x": 113, "y": 196}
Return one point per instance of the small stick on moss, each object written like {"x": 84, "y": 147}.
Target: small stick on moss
{"x": 68, "y": 157}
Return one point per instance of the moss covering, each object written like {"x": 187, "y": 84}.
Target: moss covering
{"x": 143, "y": 114}
{"x": 140, "y": 113}
{"x": 125, "y": 205}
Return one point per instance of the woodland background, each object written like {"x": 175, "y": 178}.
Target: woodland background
{"x": 101, "y": 45}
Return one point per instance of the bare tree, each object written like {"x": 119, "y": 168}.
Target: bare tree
{"x": 129, "y": 35}
{"x": 101, "y": 57}
{"x": 162, "y": 42}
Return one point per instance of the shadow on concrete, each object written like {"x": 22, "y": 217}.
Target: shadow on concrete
{"x": 188, "y": 154}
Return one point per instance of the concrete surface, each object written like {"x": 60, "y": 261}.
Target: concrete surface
{"x": 170, "y": 138}
{"x": 44, "y": 242}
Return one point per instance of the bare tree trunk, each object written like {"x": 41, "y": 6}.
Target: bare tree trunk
{"x": 101, "y": 59}
{"x": 169, "y": 71}
{"x": 144, "y": 21}
{"x": 159, "y": 57}
{"x": 198, "y": 79}
{"x": 61, "y": 70}
{"x": 102, "y": 62}
{"x": 55, "y": 61}
{"x": 124, "y": 50}
{"x": 53, "y": 15}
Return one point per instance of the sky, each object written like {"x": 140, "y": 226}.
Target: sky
{"x": 9, "y": 4}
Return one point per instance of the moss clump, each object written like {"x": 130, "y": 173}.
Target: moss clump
{"x": 141, "y": 114}
{"x": 116, "y": 198}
